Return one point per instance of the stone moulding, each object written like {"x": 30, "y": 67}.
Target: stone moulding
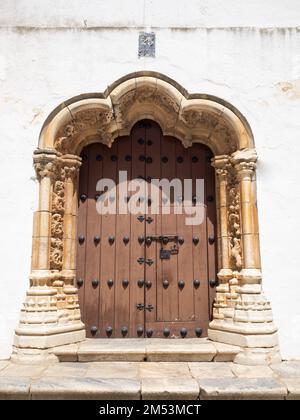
{"x": 50, "y": 315}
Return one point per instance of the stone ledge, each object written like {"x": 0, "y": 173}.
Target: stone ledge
{"x": 152, "y": 350}
{"x": 241, "y": 389}
{"x": 170, "y": 389}
{"x": 150, "y": 380}
{"x": 85, "y": 389}
{"x": 14, "y": 388}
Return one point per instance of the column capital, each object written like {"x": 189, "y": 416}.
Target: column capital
{"x": 222, "y": 165}
{"x": 70, "y": 165}
{"x": 244, "y": 162}
{"x": 45, "y": 163}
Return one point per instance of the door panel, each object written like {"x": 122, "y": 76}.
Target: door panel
{"x": 125, "y": 288}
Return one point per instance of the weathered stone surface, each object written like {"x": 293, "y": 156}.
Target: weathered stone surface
{"x": 68, "y": 353}
{"x": 23, "y": 371}
{"x": 289, "y": 369}
{"x": 293, "y": 388}
{"x": 180, "y": 350}
{"x": 66, "y": 369}
{"x": 164, "y": 370}
{"x": 242, "y": 371}
{"x": 129, "y": 370}
{"x": 210, "y": 370}
{"x": 241, "y": 389}
{"x": 112, "y": 350}
{"x": 85, "y": 389}
{"x": 225, "y": 352}
{"x": 14, "y": 388}
{"x": 169, "y": 389}
{"x": 3, "y": 364}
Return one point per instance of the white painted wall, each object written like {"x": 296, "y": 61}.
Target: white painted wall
{"x": 51, "y": 51}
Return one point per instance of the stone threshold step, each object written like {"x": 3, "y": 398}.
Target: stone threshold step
{"x": 152, "y": 350}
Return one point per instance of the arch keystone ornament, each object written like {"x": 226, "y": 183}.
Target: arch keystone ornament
{"x": 242, "y": 315}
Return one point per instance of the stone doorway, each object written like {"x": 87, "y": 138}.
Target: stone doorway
{"x": 51, "y": 315}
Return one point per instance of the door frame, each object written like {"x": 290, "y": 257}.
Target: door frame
{"x": 242, "y": 314}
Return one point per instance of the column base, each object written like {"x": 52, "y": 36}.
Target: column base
{"x": 24, "y": 356}
{"x": 258, "y": 356}
{"x": 47, "y": 338}
{"x": 256, "y": 349}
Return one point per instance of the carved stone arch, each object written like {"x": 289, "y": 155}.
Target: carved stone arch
{"x": 51, "y": 315}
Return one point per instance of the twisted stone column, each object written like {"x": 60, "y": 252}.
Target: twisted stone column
{"x": 45, "y": 321}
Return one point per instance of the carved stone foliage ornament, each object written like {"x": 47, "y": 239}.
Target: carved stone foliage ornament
{"x": 57, "y": 219}
{"x": 147, "y": 95}
{"x": 194, "y": 119}
{"x": 97, "y": 119}
{"x": 234, "y": 231}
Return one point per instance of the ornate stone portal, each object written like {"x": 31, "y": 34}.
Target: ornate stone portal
{"x": 51, "y": 315}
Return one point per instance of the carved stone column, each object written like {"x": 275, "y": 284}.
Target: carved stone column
{"x": 70, "y": 167}
{"x": 44, "y": 321}
{"x": 251, "y": 326}
{"x": 221, "y": 310}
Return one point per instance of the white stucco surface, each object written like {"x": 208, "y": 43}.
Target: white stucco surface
{"x": 51, "y": 51}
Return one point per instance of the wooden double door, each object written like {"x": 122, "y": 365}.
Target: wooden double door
{"x": 144, "y": 274}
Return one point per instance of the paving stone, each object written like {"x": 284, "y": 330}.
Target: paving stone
{"x": 211, "y": 370}
{"x": 243, "y": 371}
{"x": 67, "y": 369}
{"x": 241, "y": 389}
{"x": 164, "y": 369}
{"x": 52, "y": 388}
{"x": 169, "y": 389}
{"x": 16, "y": 370}
{"x": 293, "y": 387}
{"x": 113, "y": 370}
{"x": 14, "y": 388}
{"x": 112, "y": 350}
{"x": 290, "y": 369}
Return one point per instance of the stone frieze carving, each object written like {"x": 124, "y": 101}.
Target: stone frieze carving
{"x": 234, "y": 231}
{"x": 212, "y": 123}
{"x": 57, "y": 228}
{"x": 96, "y": 118}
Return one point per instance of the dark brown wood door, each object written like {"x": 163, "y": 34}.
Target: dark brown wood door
{"x": 148, "y": 273}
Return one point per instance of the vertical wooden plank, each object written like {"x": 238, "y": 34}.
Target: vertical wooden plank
{"x": 211, "y": 226}
{"x": 107, "y": 267}
{"x": 185, "y": 261}
{"x": 123, "y": 260}
{"x": 81, "y": 229}
{"x": 152, "y": 272}
{"x": 169, "y": 227}
{"x": 91, "y": 307}
{"x": 200, "y": 251}
{"x": 137, "y": 249}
